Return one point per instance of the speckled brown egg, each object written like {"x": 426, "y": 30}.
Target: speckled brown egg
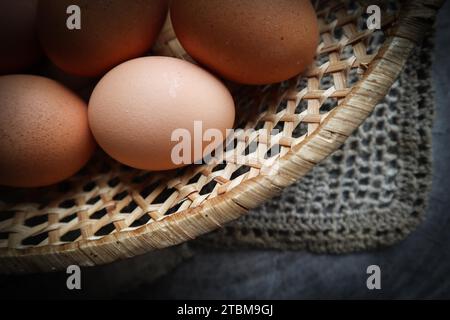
{"x": 247, "y": 41}
{"x": 18, "y": 35}
{"x": 111, "y": 32}
{"x": 44, "y": 133}
{"x": 137, "y": 108}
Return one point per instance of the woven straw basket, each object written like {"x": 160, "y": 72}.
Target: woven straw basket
{"x": 109, "y": 211}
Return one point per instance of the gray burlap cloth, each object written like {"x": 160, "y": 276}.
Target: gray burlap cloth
{"x": 371, "y": 192}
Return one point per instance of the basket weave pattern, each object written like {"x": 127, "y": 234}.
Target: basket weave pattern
{"x": 109, "y": 211}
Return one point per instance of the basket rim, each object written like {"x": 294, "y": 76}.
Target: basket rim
{"x": 181, "y": 226}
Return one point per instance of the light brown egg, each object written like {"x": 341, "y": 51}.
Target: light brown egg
{"x": 111, "y": 32}
{"x": 138, "y": 105}
{"x": 18, "y": 35}
{"x": 44, "y": 133}
{"x": 247, "y": 41}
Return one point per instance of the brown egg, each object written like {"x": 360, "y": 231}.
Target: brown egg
{"x": 44, "y": 133}
{"x": 136, "y": 108}
{"x": 18, "y": 35}
{"x": 111, "y": 31}
{"x": 247, "y": 41}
